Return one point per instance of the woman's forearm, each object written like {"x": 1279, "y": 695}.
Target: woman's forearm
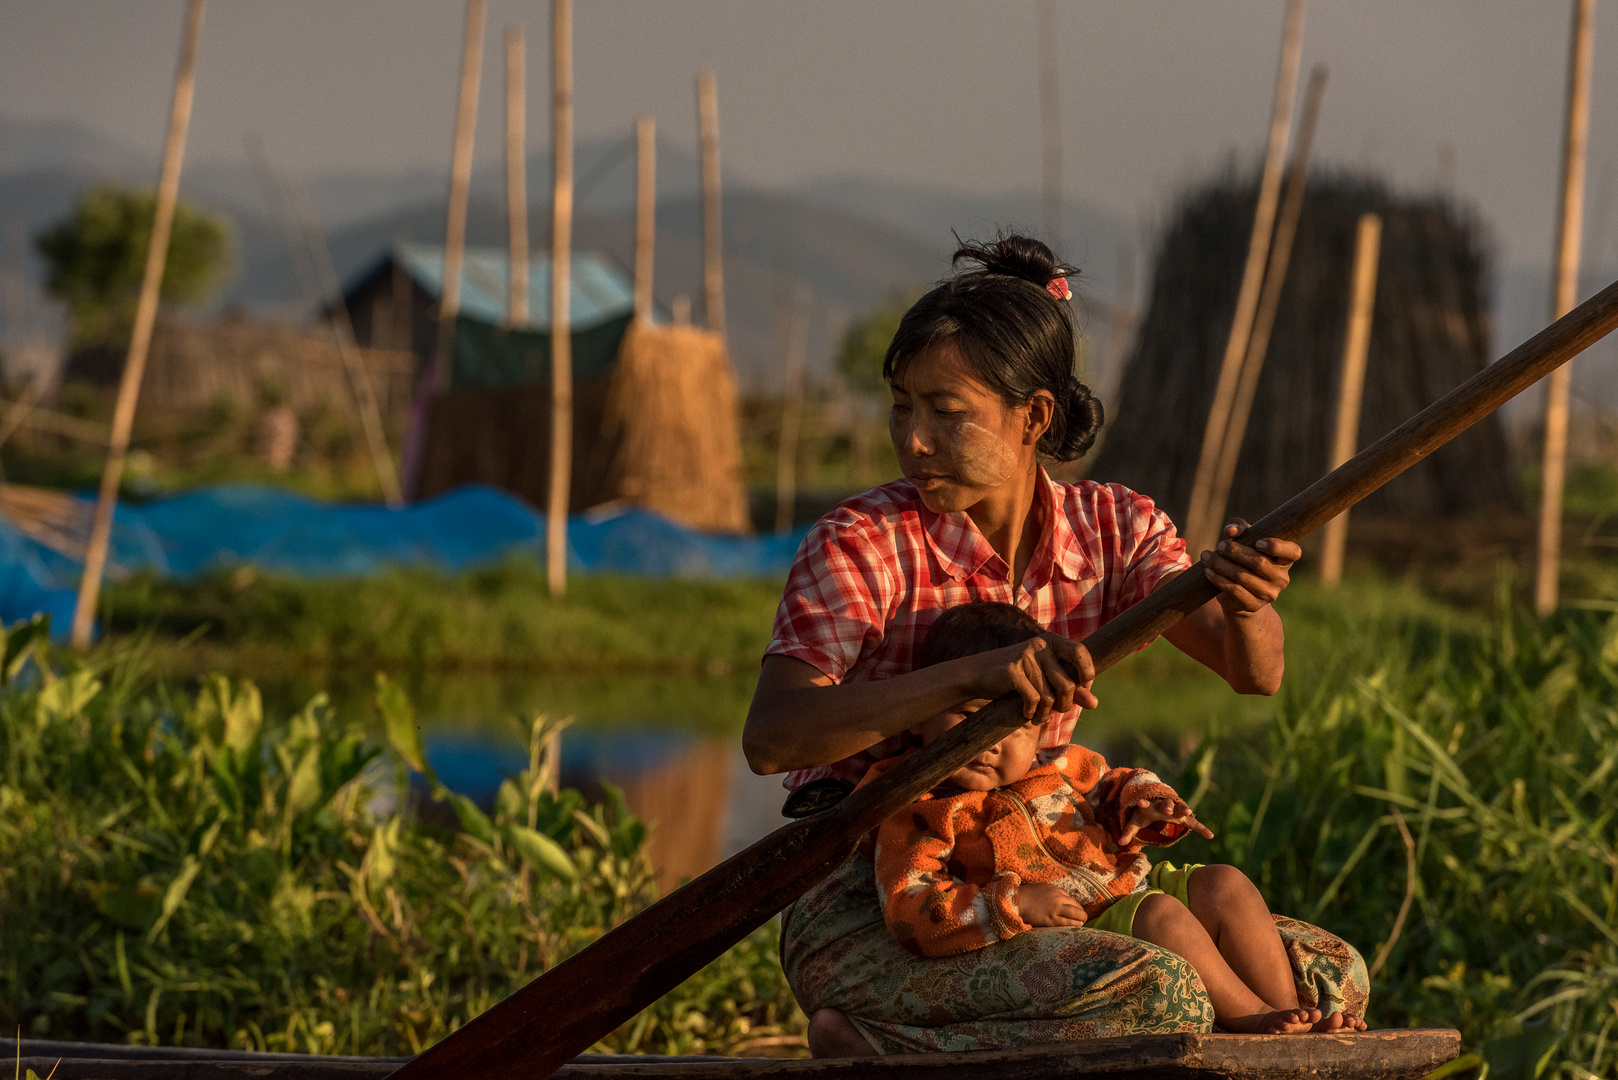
{"x": 800, "y": 718}
{"x": 1247, "y": 650}
{"x": 1255, "y": 651}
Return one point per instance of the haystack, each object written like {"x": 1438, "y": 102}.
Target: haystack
{"x": 1430, "y": 332}
{"x": 671, "y": 428}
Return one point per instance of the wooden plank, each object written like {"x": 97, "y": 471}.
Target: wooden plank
{"x": 1570, "y": 229}
{"x": 140, "y": 339}
{"x": 1372, "y": 1055}
{"x": 563, "y": 1012}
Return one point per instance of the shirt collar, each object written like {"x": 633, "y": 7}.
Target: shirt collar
{"x": 963, "y": 551}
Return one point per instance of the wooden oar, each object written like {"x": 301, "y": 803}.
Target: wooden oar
{"x": 561, "y": 1013}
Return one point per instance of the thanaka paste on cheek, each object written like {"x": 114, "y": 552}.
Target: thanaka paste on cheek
{"x": 982, "y": 458}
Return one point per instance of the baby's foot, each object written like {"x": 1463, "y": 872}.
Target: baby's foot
{"x": 1338, "y": 1021}
{"x": 1279, "y": 1022}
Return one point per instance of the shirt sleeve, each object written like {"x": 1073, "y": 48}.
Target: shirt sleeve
{"x": 836, "y": 604}
{"x": 1117, "y": 793}
{"x": 1146, "y": 547}
{"x": 928, "y": 910}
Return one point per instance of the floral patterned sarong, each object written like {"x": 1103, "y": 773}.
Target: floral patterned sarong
{"x": 1045, "y": 986}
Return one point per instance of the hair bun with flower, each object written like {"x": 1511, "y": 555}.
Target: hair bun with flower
{"x": 1058, "y": 288}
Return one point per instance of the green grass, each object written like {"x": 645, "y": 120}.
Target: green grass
{"x": 496, "y": 618}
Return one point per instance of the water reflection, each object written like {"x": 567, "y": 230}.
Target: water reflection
{"x": 672, "y": 743}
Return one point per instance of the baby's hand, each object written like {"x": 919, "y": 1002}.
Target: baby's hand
{"x": 1041, "y": 904}
{"x": 1151, "y": 811}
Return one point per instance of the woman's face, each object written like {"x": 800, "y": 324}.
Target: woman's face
{"x": 956, "y": 440}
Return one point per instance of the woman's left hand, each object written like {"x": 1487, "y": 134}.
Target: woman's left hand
{"x": 1249, "y": 576}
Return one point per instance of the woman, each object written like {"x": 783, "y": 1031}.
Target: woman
{"x": 981, "y": 371}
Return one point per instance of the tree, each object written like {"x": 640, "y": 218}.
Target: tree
{"x": 96, "y": 256}
{"x": 866, "y": 344}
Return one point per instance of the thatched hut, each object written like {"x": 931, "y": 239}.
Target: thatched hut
{"x": 655, "y": 417}
{"x": 1430, "y": 332}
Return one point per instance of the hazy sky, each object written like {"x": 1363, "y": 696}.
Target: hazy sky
{"x": 940, "y": 92}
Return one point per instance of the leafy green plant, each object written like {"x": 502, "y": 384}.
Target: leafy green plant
{"x": 181, "y": 869}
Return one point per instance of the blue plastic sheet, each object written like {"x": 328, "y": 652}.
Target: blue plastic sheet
{"x": 284, "y": 532}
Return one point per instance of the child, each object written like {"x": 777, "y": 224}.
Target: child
{"x": 1016, "y": 840}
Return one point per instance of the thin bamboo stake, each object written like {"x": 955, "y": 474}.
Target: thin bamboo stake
{"x": 561, "y": 325}
{"x": 1121, "y": 320}
{"x": 1050, "y": 114}
{"x": 1351, "y": 388}
{"x": 713, "y": 259}
{"x": 1553, "y": 473}
{"x": 438, "y": 374}
{"x": 516, "y": 178}
{"x": 1275, "y": 277}
{"x": 275, "y": 199}
{"x": 645, "y": 214}
{"x": 359, "y": 380}
{"x": 1202, "y": 528}
{"x": 460, "y": 185}
{"x": 786, "y": 460}
{"x": 140, "y": 340}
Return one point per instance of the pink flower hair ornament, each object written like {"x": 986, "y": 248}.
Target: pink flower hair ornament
{"x": 1059, "y": 289}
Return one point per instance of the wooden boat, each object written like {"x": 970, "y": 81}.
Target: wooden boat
{"x": 1372, "y": 1055}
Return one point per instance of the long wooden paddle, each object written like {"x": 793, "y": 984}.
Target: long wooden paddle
{"x": 582, "y": 999}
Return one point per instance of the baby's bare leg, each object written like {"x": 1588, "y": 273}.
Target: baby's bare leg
{"x": 1163, "y": 920}
{"x": 1234, "y": 913}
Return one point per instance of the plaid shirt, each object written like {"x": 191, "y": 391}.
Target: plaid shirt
{"x": 874, "y": 573}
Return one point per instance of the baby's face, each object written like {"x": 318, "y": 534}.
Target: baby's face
{"x": 1006, "y": 762}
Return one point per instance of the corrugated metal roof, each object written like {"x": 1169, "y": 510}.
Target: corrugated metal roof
{"x": 600, "y": 291}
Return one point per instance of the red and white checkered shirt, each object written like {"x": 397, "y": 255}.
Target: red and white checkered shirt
{"x": 874, "y": 573}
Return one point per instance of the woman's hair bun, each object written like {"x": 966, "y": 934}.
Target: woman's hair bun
{"x": 1015, "y": 256}
{"x": 1082, "y": 418}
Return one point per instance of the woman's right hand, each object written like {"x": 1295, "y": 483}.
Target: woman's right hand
{"x": 1050, "y": 674}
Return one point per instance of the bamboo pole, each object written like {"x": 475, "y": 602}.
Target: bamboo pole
{"x": 561, "y": 325}
{"x": 438, "y": 374}
{"x": 1553, "y": 473}
{"x": 1201, "y": 528}
{"x": 538, "y": 1028}
{"x": 1275, "y": 277}
{"x": 786, "y": 459}
{"x": 1351, "y": 387}
{"x": 140, "y": 339}
{"x": 359, "y": 380}
{"x": 516, "y": 178}
{"x": 1050, "y": 115}
{"x": 460, "y": 185}
{"x": 645, "y": 214}
{"x": 713, "y": 259}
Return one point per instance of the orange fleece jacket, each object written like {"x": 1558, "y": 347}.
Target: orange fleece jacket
{"x": 948, "y": 865}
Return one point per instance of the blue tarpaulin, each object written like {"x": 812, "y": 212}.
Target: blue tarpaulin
{"x": 284, "y": 532}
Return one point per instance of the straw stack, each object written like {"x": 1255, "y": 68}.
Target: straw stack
{"x": 672, "y": 428}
